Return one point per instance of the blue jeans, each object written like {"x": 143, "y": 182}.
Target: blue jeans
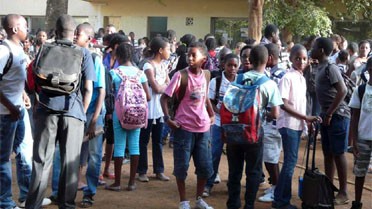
{"x": 283, "y": 191}
{"x": 94, "y": 162}
{"x": 94, "y": 158}
{"x": 236, "y": 156}
{"x": 335, "y": 136}
{"x": 157, "y": 147}
{"x": 196, "y": 145}
{"x": 12, "y": 135}
{"x": 217, "y": 148}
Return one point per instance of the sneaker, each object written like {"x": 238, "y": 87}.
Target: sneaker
{"x": 162, "y": 177}
{"x": 143, "y": 178}
{"x": 269, "y": 190}
{"x": 184, "y": 205}
{"x": 206, "y": 192}
{"x": 269, "y": 197}
{"x": 46, "y": 201}
{"x": 201, "y": 204}
{"x": 53, "y": 199}
{"x": 217, "y": 180}
{"x": 264, "y": 185}
{"x": 16, "y": 207}
{"x": 126, "y": 161}
{"x": 356, "y": 205}
{"x": 341, "y": 199}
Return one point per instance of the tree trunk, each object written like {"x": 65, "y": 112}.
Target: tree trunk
{"x": 255, "y": 19}
{"x": 54, "y": 9}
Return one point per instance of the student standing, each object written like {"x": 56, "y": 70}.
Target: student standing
{"x": 191, "y": 125}
{"x": 331, "y": 91}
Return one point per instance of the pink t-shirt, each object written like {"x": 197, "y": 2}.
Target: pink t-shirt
{"x": 293, "y": 88}
{"x": 191, "y": 114}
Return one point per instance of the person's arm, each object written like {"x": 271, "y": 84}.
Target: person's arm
{"x": 26, "y": 100}
{"x": 97, "y": 111}
{"x": 156, "y": 87}
{"x": 146, "y": 89}
{"x": 210, "y": 110}
{"x": 88, "y": 91}
{"x": 164, "y": 105}
{"x": 15, "y": 112}
{"x": 341, "y": 93}
{"x": 274, "y": 112}
{"x": 286, "y": 107}
{"x": 353, "y": 134}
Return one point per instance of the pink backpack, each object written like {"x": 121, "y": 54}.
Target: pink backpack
{"x": 130, "y": 103}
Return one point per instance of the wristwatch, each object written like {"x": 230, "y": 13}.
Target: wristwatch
{"x": 166, "y": 118}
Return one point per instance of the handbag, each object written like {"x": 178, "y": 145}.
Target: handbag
{"x": 317, "y": 189}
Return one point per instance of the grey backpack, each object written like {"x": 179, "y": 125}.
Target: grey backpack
{"x": 57, "y": 69}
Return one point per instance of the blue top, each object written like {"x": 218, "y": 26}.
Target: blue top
{"x": 98, "y": 84}
{"x": 69, "y": 105}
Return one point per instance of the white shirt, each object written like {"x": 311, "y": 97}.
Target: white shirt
{"x": 212, "y": 95}
{"x": 365, "y": 120}
{"x": 13, "y": 82}
{"x": 160, "y": 74}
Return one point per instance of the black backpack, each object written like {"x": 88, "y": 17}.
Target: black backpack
{"x": 57, "y": 69}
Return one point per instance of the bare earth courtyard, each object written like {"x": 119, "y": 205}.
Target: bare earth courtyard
{"x": 163, "y": 195}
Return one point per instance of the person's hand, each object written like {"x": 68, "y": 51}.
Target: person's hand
{"x": 27, "y": 101}
{"x": 313, "y": 119}
{"x": 91, "y": 130}
{"x": 15, "y": 113}
{"x": 327, "y": 120}
{"x": 212, "y": 118}
{"x": 173, "y": 124}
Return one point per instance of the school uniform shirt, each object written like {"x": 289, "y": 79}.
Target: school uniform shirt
{"x": 191, "y": 114}
{"x": 365, "y": 119}
{"x": 212, "y": 95}
{"x": 160, "y": 74}
{"x": 270, "y": 95}
{"x": 13, "y": 82}
{"x": 292, "y": 87}
{"x": 332, "y": 59}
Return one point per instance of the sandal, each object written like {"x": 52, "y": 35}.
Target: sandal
{"x": 87, "y": 202}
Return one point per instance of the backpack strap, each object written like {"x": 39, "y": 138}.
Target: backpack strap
{"x": 361, "y": 91}
{"x": 183, "y": 86}
{"x": 218, "y": 86}
{"x": 239, "y": 79}
{"x": 9, "y": 62}
{"x": 261, "y": 80}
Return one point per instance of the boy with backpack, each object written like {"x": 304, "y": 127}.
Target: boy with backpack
{"x": 267, "y": 93}
{"x": 61, "y": 113}
{"x": 191, "y": 123}
{"x": 331, "y": 91}
{"x": 360, "y": 134}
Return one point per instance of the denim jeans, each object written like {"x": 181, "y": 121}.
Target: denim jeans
{"x": 217, "y": 148}
{"x": 94, "y": 162}
{"x": 94, "y": 158}
{"x": 196, "y": 145}
{"x": 236, "y": 156}
{"x": 12, "y": 138}
{"x": 283, "y": 191}
{"x": 157, "y": 147}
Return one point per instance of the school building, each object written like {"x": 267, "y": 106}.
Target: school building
{"x": 146, "y": 17}
{"x": 227, "y": 18}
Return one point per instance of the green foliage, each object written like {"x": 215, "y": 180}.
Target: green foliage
{"x": 357, "y": 9}
{"x": 297, "y": 17}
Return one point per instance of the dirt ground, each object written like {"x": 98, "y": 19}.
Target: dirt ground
{"x": 163, "y": 195}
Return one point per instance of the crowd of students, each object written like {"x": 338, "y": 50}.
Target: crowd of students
{"x": 68, "y": 132}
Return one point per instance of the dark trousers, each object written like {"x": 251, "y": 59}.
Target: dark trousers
{"x": 157, "y": 147}
{"x": 236, "y": 156}
{"x": 69, "y": 132}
